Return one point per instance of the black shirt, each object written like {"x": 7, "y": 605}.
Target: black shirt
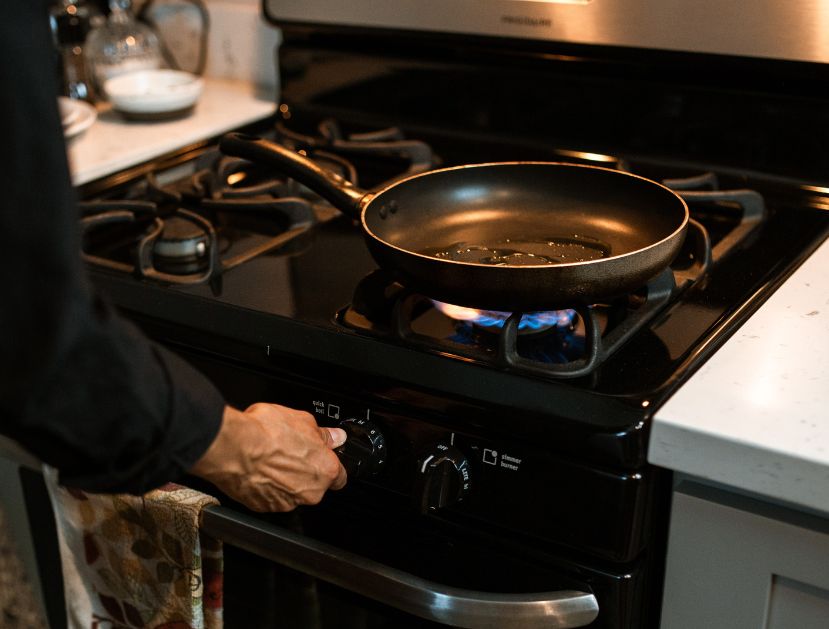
{"x": 80, "y": 387}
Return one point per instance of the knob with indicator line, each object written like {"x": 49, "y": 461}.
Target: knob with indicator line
{"x": 442, "y": 478}
{"x": 364, "y": 451}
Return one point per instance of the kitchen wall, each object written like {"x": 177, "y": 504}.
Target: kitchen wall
{"x": 241, "y": 44}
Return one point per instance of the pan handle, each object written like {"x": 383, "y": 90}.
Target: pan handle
{"x": 342, "y": 194}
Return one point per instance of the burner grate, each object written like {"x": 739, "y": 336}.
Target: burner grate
{"x": 383, "y": 145}
{"x": 382, "y": 307}
{"x": 178, "y": 237}
{"x": 189, "y": 228}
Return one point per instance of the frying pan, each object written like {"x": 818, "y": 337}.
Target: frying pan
{"x": 509, "y": 236}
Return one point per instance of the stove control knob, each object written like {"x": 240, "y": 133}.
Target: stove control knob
{"x": 442, "y": 478}
{"x": 364, "y": 452}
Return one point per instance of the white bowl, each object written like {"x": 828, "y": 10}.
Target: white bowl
{"x": 76, "y": 116}
{"x": 153, "y": 93}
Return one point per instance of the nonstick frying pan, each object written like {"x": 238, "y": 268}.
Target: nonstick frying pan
{"x": 510, "y": 236}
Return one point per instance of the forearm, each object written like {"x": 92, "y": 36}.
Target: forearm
{"x": 108, "y": 409}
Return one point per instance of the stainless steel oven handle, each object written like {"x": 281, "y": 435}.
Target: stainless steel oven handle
{"x": 440, "y": 603}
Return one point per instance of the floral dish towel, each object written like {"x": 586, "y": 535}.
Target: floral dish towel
{"x": 137, "y": 561}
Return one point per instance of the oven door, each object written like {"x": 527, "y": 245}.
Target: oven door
{"x": 280, "y": 573}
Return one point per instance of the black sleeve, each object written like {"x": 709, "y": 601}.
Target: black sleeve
{"x": 80, "y": 387}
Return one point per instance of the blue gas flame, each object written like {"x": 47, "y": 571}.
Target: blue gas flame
{"x": 530, "y": 322}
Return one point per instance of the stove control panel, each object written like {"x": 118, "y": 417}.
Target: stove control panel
{"x": 411, "y": 459}
{"x": 364, "y": 452}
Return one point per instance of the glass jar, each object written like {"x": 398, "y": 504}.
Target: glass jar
{"x": 122, "y": 44}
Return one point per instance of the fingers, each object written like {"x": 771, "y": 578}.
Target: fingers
{"x": 341, "y": 478}
{"x": 301, "y": 465}
{"x": 333, "y": 437}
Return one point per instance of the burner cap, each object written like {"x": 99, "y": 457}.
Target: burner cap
{"x": 181, "y": 240}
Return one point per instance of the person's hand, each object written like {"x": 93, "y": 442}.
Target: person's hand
{"x": 273, "y": 458}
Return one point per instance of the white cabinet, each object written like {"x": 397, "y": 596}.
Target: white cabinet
{"x": 739, "y": 563}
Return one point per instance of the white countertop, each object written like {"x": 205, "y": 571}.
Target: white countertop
{"x": 756, "y": 414}
{"x": 112, "y": 143}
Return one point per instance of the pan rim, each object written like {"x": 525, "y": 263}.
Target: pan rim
{"x": 373, "y": 197}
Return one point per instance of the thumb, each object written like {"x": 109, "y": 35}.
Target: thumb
{"x": 333, "y": 437}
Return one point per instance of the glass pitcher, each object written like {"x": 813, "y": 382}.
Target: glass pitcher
{"x": 122, "y": 44}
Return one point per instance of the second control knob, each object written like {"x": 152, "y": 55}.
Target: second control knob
{"x": 364, "y": 452}
{"x": 442, "y": 478}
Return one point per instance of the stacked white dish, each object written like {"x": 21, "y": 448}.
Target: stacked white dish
{"x": 76, "y": 116}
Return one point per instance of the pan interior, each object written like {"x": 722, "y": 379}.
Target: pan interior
{"x": 525, "y": 214}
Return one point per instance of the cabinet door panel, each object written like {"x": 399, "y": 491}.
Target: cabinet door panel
{"x": 797, "y": 604}
{"x": 737, "y": 563}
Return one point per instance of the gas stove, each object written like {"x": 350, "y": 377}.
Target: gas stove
{"x": 491, "y": 451}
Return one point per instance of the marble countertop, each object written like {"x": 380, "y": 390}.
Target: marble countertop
{"x": 756, "y": 415}
{"x": 112, "y": 144}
